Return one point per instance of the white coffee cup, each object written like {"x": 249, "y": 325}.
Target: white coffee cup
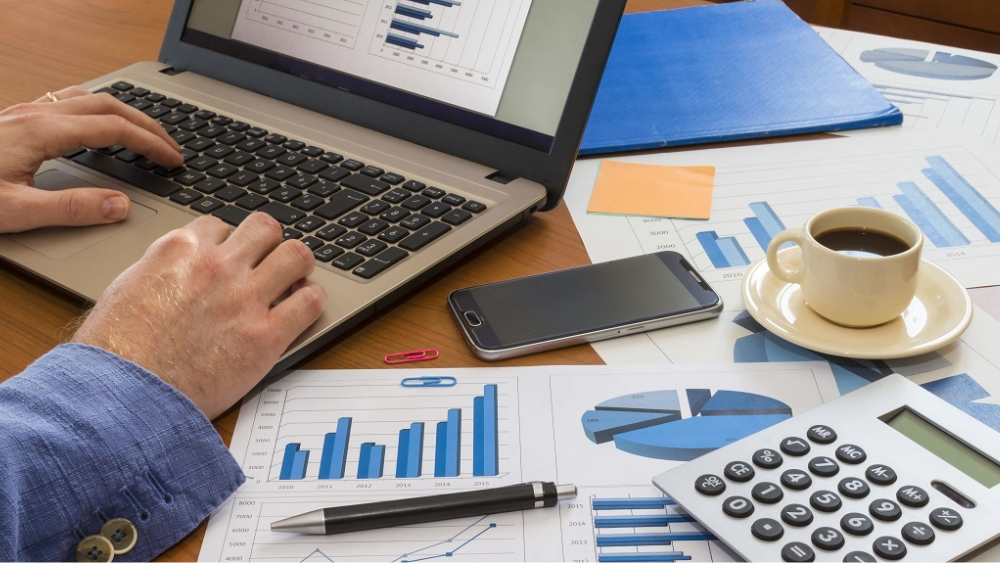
{"x": 864, "y": 283}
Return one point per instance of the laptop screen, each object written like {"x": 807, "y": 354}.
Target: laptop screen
{"x": 500, "y": 67}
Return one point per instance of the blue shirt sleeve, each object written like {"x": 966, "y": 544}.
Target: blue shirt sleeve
{"x": 86, "y": 436}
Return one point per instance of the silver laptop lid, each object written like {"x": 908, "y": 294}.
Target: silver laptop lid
{"x": 504, "y": 83}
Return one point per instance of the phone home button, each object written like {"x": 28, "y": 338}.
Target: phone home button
{"x": 473, "y": 319}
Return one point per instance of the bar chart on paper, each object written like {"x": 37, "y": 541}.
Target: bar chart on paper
{"x": 468, "y": 40}
{"x": 320, "y": 434}
{"x": 952, "y": 191}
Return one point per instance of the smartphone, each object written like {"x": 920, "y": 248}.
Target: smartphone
{"x": 584, "y": 304}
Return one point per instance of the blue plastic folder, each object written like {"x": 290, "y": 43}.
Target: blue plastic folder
{"x": 725, "y": 72}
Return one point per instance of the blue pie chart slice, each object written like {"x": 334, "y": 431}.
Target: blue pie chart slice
{"x": 650, "y": 424}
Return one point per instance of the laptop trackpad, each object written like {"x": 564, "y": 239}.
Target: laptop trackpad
{"x": 59, "y": 243}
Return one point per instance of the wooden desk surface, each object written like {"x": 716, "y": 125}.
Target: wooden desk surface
{"x": 52, "y": 44}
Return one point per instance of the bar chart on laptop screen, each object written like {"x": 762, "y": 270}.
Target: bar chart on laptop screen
{"x": 468, "y": 40}
{"x": 322, "y": 438}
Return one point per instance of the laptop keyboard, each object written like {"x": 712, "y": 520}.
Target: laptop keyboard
{"x": 355, "y": 217}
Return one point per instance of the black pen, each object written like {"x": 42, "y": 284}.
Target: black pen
{"x": 390, "y": 513}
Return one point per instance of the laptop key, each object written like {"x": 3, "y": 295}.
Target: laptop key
{"x": 207, "y": 205}
{"x": 192, "y": 124}
{"x": 209, "y": 185}
{"x": 380, "y": 263}
{"x": 331, "y": 232}
{"x": 364, "y": 184}
{"x": 285, "y": 194}
{"x": 181, "y": 137}
{"x": 436, "y": 209}
{"x": 239, "y": 158}
{"x": 414, "y": 186}
{"x": 313, "y": 166}
{"x": 307, "y": 202}
{"x": 127, "y": 173}
{"x": 199, "y": 144}
{"x": 252, "y": 201}
{"x": 263, "y": 186}
{"x": 281, "y": 173}
{"x": 128, "y": 156}
{"x": 212, "y": 131}
{"x": 308, "y": 151}
{"x": 371, "y": 247}
{"x": 189, "y": 178}
{"x": 202, "y": 163}
{"x": 351, "y": 239}
{"x": 457, "y": 217}
{"x": 230, "y": 193}
{"x": 222, "y": 170}
{"x": 302, "y": 181}
{"x": 397, "y": 195}
{"x": 312, "y": 242}
{"x": 251, "y": 144}
{"x": 340, "y": 203}
{"x": 348, "y": 261}
{"x": 174, "y": 118}
{"x": 375, "y": 207}
{"x": 433, "y": 193}
{"x": 186, "y": 108}
{"x": 155, "y": 97}
{"x": 122, "y": 86}
{"x": 292, "y": 158}
{"x": 392, "y": 178}
{"x": 327, "y": 253}
{"x": 157, "y": 112}
{"x": 260, "y": 165}
{"x": 243, "y": 178}
{"x": 231, "y": 214}
{"x": 394, "y": 235}
{"x": 424, "y": 236}
{"x": 352, "y": 165}
{"x": 324, "y": 188}
{"x": 186, "y": 197}
{"x": 310, "y": 224}
{"x": 288, "y": 234}
{"x": 414, "y": 222}
{"x": 284, "y": 214}
{"x": 334, "y": 174}
{"x": 219, "y": 151}
{"x": 474, "y": 206}
{"x": 373, "y": 171}
{"x": 331, "y": 157}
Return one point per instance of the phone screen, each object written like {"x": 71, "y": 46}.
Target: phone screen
{"x": 585, "y": 299}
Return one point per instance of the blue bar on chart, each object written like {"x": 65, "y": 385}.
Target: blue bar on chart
{"x": 724, "y": 252}
{"x": 402, "y": 42}
{"x": 445, "y": 3}
{"x": 294, "y": 463}
{"x": 485, "y": 434}
{"x": 966, "y": 198}
{"x": 665, "y": 538}
{"x": 928, "y": 216}
{"x": 448, "y": 445}
{"x": 413, "y": 12}
{"x": 371, "y": 462}
{"x": 333, "y": 461}
{"x": 629, "y": 521}
{"x": 644, "y": 557}
{"x": 409, "y": 27}
{"x": 869, "y": 202}
{"x": 409, "y": 463}
{"x": 637, "y": 503}
{"x": 765, "y": 224}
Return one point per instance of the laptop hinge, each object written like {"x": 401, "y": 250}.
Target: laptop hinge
{"x": 500, "y": 178}
{"x": 170, "y": 71}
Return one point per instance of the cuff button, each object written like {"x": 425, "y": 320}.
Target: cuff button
{"x": 95, "y": 548}
{"x": 121, "y": 533}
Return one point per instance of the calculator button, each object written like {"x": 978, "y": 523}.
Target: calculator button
{"x": 859, "y": 557}
{"x": 796, "y": 515}
{"x": 881, "y": 475}
{"x": 825, "y": 501}
{"x": 797, "y": 551}
{"x": 768, "y": 493}
{"x": 823, "y": 466}
{"x": 739, "y": 471}
{"x": 857, "y": 524}
{"x": 821, "y": 434}
{"x": 853, "y": 487}
{"x": 710, "y": 485}
{"x": 767, "y": 529}
{"x": 828, "y": 538}
{"x": 918, "y": 533}
{"x": 888, "y": 547}
{"x": 849, "y": 453}
{"x": 911, "y": 496}
{"x": 794, "y": 446}
{"x": 885, "y": 510}
{"x": 767, "y": 458}
{"x": 946, "y": 519}
{"x": 738, "y": 507}
{"x": 796, "y": 479}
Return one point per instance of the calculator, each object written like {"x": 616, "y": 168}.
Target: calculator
{"x": 888, "y": 472}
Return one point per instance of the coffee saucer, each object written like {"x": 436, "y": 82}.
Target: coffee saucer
{"x": 940, "y": 312}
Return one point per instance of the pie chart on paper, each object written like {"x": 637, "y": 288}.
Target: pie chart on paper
{"x": 652, "y": 424}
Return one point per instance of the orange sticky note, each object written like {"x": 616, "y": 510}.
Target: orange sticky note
{"x": 647, "y": 189}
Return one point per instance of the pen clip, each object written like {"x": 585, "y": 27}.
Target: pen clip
{"x": 429, "y": 381}
{"x": 411, "y": 356}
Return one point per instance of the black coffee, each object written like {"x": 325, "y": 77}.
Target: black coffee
{"x": 862, "y": 242}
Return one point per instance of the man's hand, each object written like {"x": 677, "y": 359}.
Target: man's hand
{"x": 209, "y": 312}
{"x": 33, "y": 133}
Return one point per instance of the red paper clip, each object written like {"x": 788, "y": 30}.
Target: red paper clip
{"x": 411, "y": 356}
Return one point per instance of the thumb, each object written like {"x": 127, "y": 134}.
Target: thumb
{"x": 30, "y": 208}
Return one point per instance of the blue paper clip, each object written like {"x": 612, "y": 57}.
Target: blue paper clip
{"x": 429, "y": 381}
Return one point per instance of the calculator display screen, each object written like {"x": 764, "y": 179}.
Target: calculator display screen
{"x": 939, "y": 443}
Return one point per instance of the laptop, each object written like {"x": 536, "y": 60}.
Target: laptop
{"x": 393, "y": 137}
